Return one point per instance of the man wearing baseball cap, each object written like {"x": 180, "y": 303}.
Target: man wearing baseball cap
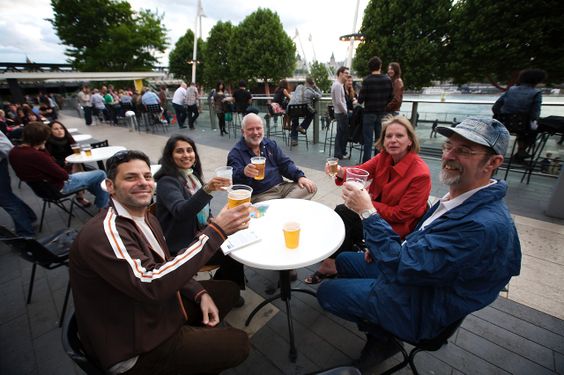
{"x": 456, "y": 261}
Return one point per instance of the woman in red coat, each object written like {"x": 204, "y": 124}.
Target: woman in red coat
{"x": 400, "y": 188}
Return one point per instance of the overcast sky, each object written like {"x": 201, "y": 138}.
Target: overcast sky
{"x": 24, "y": 31}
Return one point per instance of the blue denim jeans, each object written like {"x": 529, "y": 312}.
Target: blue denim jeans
{"x": 90, "y": 181}
{"x": 371, "y": 124}
{"x": 22, "y": 215}
{"x": 342, "y": 135}
{"x": 351, "y": 295}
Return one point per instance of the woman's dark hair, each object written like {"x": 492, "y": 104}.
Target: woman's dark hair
{"x": 397, "y": 70}
{"x": 283, "y": 84}
{"x": 531, "y": 76}
{"x": 219, "y": 83}
{"x": 67, "y": 135}
{"x": 168, "y": 166}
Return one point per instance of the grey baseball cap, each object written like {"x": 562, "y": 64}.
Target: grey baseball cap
{"x": 481, "y": 130}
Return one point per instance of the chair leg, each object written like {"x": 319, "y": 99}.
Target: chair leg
{"x": 402, "y": 364}
{"x": 42, "y": 215}
{"x": 32, "y": 278}
{"x": 65, "y": 303}
{"x": 70, "y": 213}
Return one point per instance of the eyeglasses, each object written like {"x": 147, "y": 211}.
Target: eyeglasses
{"x": 461, "y": 151}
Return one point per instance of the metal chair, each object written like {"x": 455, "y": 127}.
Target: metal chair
{"x": 73, "y": 348}
{"x": 49, "y": 252}
{"x": 329, "y": 139}
{"x": 430, "y": 345}
{"x": 154, "y": 112}
{"x": 273, "y": 131}
{"x": 51, "y": 195}
{"x": 296, "y": 111}
{"x": 100, "y": 144}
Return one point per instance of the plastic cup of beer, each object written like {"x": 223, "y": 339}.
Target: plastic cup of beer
{"x": 87, "y": 150}
{"x": 238, "y": 194}
{"x": 75, "y": 148}
{"x": 225, "y": 172}
{"x": 333, "y": 166}
{"x": 291, "y": 234}
{"x": 260, "y": 163}
{"x": 357, "y": 176}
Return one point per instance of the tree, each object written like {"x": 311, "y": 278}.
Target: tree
{"x": 263, "y": 49}
{"x": 494, "y": 40}
{"x": 179, "y": 57}
{"x": 320, "y": 75}
{"x": 218, "y": 66}
{"x": 107, "y": 35}
{"x": 412, "y": 33}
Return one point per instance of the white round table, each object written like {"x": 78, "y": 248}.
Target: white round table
{"x": 72, "y": 130}
{"x": 98, "y": 154}
{"x": 81, "y": 137}
{"x": 322, "y": 233}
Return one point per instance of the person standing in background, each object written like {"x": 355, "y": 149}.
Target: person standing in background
{"x": 340, "y": 107}
{"x": 85, "y": 101}
{"x": 394, "y": 72}
{"x": 192, "y": 104}
{"x": 376, "y": 92}
{"x": 178, "y": 100}
{"x": 164, "y": 103}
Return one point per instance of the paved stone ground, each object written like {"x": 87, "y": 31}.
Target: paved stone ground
{"x": 506, "y": 337}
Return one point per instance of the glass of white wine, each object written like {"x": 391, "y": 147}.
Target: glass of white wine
{"x": 332, "y": 166}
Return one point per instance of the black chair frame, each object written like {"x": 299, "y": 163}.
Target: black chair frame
{"x": 39, "y": 253}
{"x": 74, "y": 349}
{"x": 430, "y": 345}
{"x": 100, "y": 144}
{"x": 50, "y": 195}
{"x": 298, "y": 111}
{"x": 154, "y": 113}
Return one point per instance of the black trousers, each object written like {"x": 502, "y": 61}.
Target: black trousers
{"x": 353, "y": 229}
{"x": 195, "y": 349}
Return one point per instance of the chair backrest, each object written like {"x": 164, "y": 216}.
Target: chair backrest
{"x": 154, "y": 108}
{"x": 103, "y": 143}
{"x": 73, "y": 347}
{"x": 441, "y": 339}
{"x": 297, "y": 110}
{"x": 45, "y": 190}
{"x": 331, "y": 112}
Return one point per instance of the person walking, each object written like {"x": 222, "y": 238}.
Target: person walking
{"x": 178, "y": 101}
{"x": 85, "y": 101}
{"x": 340, "y": 108}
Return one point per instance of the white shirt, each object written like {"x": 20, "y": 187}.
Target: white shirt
{"x": 179, "y": 96}
{"x": 446, "y": 204}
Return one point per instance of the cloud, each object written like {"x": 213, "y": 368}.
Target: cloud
{"x": 25, "y": 31}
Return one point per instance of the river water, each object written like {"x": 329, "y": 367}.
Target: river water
{"x": 448, "y": 111}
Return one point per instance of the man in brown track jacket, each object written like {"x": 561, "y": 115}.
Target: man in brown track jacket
{"x": 138, "y": 309}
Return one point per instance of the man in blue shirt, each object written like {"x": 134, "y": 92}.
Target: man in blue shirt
{"x": 278, "y": 165}
{"x": 460, "y": 256}
{"x": 149, "y": 97}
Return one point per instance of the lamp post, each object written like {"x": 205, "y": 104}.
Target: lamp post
{"x": 350, "y": 37}
{"x": 199, "y": 15}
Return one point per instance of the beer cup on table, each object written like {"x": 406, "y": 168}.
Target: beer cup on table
{"x": 238, "y": 194}
{"x": 87, "y": 150}
{"x": 75, "y": 148}
{"x": 225, "y": 172}
{"x": 332, "y": 166}
{"x": 291, "y": 234}
{"x": 260, "y": 163}
{"x": 357, "y": 176}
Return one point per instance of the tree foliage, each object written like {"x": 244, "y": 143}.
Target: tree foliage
{"x": 262, "y": 50}
{"x": 411, "y": 32}
{"x": 107, "y": 35}
{"x": 218, "y": 65}
{"x": 179, "y": 57}
{"x": 494, "y": 40}
{"x": 320, "y": 75}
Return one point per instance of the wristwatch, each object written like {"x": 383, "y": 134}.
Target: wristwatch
{"x": 367, "y": 213}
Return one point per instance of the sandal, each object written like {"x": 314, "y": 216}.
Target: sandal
{"x": 83, "y": 202}
{"x": 318, "y": 277}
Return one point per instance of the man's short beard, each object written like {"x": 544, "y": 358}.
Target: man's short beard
{"x": 449, "y": 180}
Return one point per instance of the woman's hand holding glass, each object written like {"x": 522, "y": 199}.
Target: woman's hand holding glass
{"x": 218, "y": 183}
{"x": 332, "y": 168}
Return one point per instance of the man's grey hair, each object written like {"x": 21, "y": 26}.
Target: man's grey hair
{"x": 251, "y": 115}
